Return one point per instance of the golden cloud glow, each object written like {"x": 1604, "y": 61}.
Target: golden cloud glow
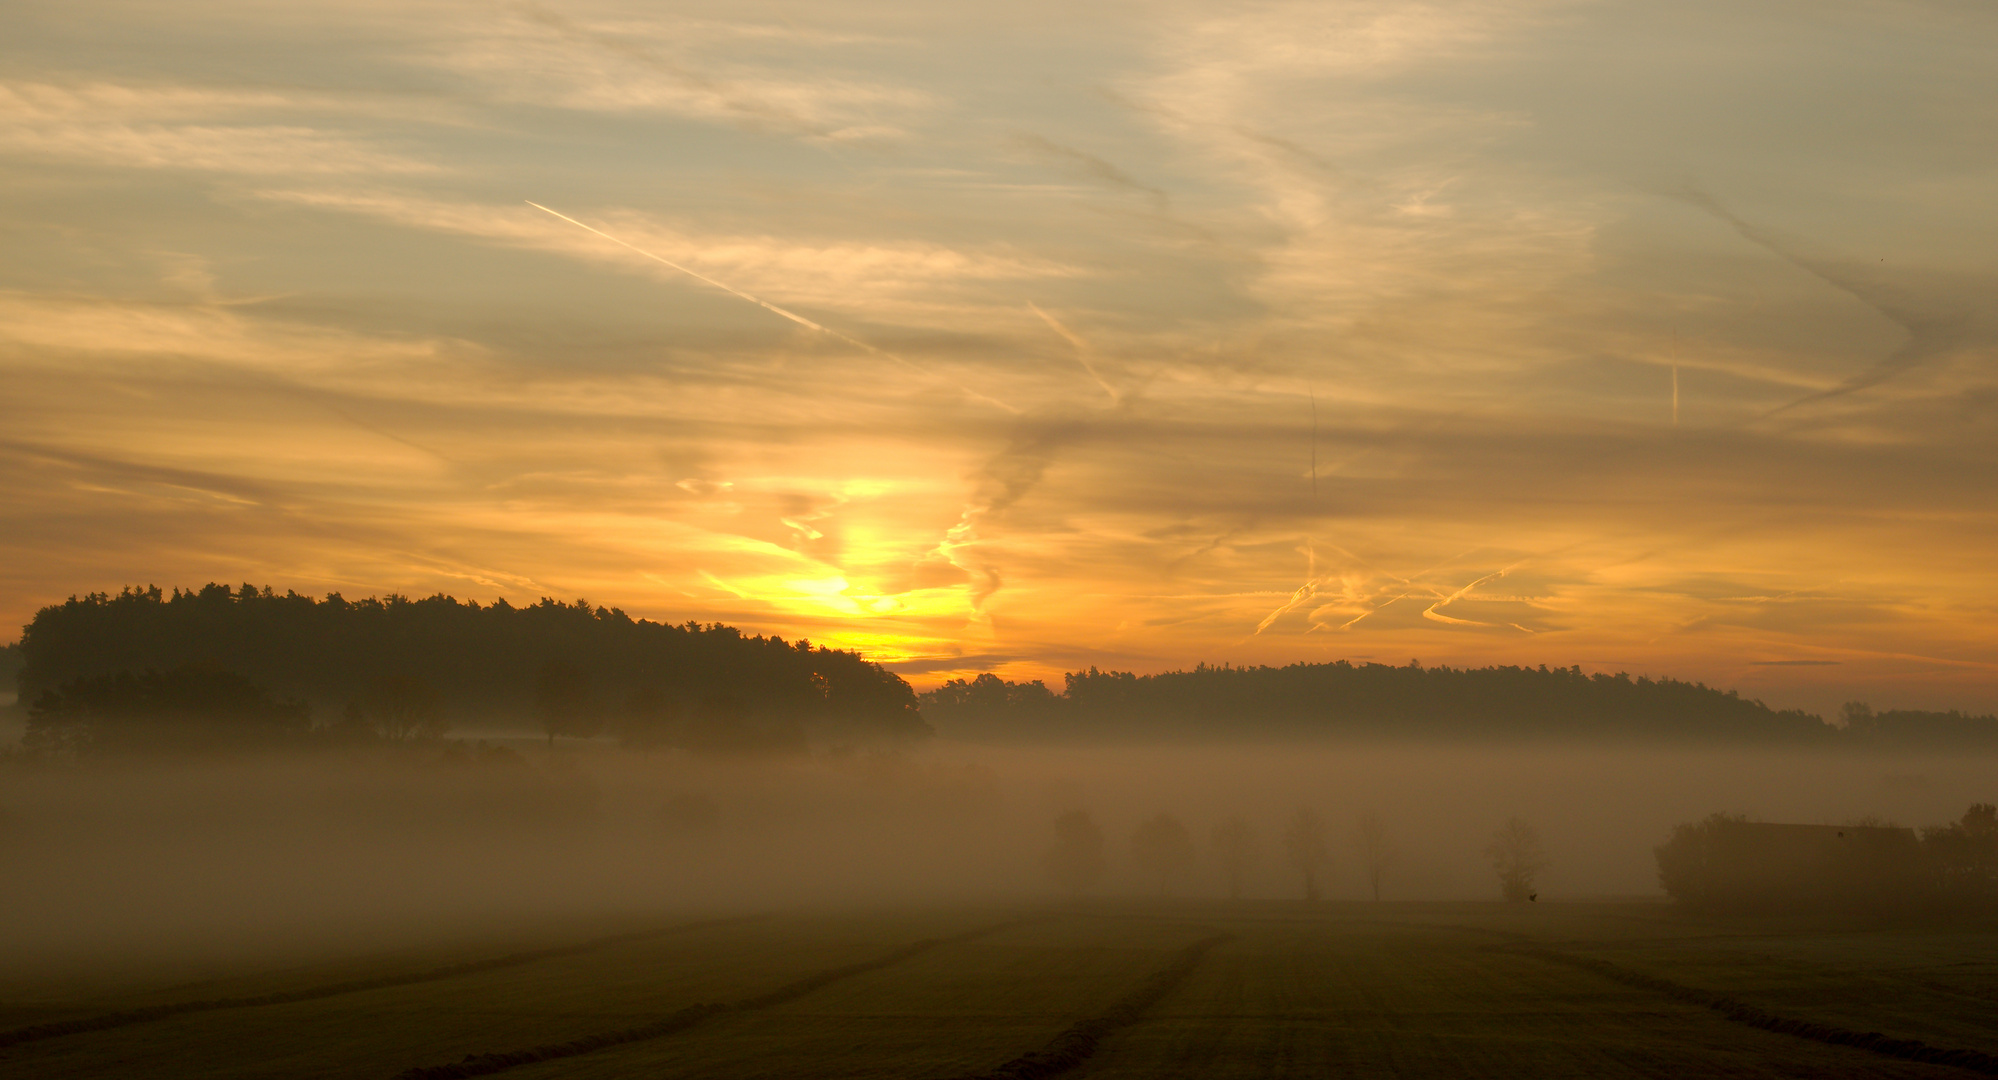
{"x": 1459, "y": 331}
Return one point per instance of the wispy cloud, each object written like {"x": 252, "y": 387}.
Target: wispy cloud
{"x": 286, "y": 318}
{"x": 1092, "y": 168}
{"x": 891, "y": 281}
{"x": 687, "y": 68}
{"x": 185, "y": 128}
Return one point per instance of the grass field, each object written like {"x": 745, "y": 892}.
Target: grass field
{"x": 1193, "y": 989}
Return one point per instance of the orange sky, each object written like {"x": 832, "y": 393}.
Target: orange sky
{"x": 1567, "y": 333}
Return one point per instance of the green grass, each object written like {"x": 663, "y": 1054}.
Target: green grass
{"x": 1543, "y": 990}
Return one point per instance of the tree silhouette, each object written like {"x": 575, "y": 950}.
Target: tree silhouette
{"x": 1517, "y": 858}
{"x": 482, "y": 659}
{"x": 1162, "y": 846}
{"x": 1075, "y": 862}
{"x": 192, "y": 707}
{"x": 1377, "y": 854}
{"x": 11, "y": 662}
{"x": 563, "y": 702}
{"x": 1304, "y": 845}
{"x": 1686, "y": 860}
{"x": 1372, "y": 698}
{"x": 1964, "y": 855}
{"x": 403, "y": 707}
{"x": 1234, "y": 851}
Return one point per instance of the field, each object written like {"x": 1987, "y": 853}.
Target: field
{"x": 1106, "y": 989}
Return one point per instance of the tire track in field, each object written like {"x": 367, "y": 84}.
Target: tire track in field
{"x": 1076, "y": 1044}
{"x": 149, "y": 1013}
{"x": 1743, "y": 1013}
{"x": 681, "y": 1019}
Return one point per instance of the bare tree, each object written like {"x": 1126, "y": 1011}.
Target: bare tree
{"x": 1162, "y": 846}
{"x": 1075, "y": 862}
{"x": 1235, "y": 851}
{"x": 1370, "y": 839}
{"x": 1517, "y": 858}
{"x": 1304, "y": 844}
{"x": 404, "y": 707}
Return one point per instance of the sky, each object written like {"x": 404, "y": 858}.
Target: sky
{"x": 1017, "y": 338}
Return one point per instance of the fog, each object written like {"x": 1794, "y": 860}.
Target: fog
{"x": 182, "y": 866}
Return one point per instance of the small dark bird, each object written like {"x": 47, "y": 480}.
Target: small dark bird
{"x": 1533, "y": 896}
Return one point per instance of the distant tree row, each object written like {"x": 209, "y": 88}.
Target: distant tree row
{"x": 1163, "y": 849}
{"x": 1915, "y": 726}
{"x": 1411, "y": 701}
{"x": 398, "y": 668}
{"x": 1729, "y": 864}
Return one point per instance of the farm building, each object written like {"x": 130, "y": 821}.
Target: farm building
{"x": 1728, "y": 864}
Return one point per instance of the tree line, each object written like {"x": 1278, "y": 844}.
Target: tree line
{"x": 220, "y": 665}
{"x": 1372, "y": 699}
{"x": 1162, "y": 849}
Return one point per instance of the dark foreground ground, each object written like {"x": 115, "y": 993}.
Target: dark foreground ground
{"x": 1101, "y": 990}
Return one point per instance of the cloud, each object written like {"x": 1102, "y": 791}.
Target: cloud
{"x": 1093, "y": 168}
{"x": 284, "y": 318}
{"x": 688, "y": 68}
{"x": 999, "y": 484}
{"x": 883, "y": 281}
{"x": 183, "y": 128}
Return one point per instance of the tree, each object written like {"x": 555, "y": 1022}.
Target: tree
{"x": 1304, "y": 845}
{"x": 192, "y": 707}
{"x": 1407, "y": 700}
{"x": 1686, "y": 860}
{"x": 483, "y": 659}
{"x": 1964, "y": 855}
{"x": 404, "y": 707}
{"x": 1377, "y": 854}
{"x": 1517, "y": 858}
{"x": 1162, "y": 846}
{"x": 1234, "y": 852}
{"x": 1075, "y": 862}
{"x": 563, "y": 702}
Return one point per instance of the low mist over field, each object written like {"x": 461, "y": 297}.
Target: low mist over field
{"x": 216, "y": 773}
{"x": 187, "y": 861}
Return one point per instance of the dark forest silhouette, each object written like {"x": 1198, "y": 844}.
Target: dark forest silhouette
{"x": 398, "y": 668}
{"x": 1343, "y": 698}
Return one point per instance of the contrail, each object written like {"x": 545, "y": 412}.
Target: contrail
{"x": 1314, "y": 448}
{"x": 767, "y": 305}
{"x": 1930, "y": 333}
{"x": 1675, "y": 376}
{"x": 1081, "y": 351}
{"x": 1430, "y": 612}
{"x": 729, "y": 289}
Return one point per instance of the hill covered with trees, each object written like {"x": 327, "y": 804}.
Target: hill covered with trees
{"x": 397, "y": 668}
{"x": 262, "y": 667}
{"x": 1380, "y": 700}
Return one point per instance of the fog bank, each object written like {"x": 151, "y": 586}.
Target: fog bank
{"x": 269, "y": 859}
